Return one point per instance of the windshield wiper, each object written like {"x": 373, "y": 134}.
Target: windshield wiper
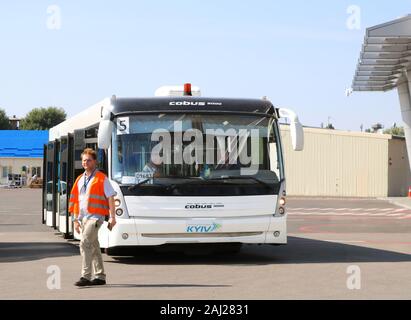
{"x": 224, "y": 177}
{"x": 191, "y": 180}
{"x": 134, "y": 186}
{"x": 211, "y": 180}
{"x": 168, "y": 186}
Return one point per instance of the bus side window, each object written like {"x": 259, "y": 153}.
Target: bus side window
{"x": 102, "y": 161}
{"x": 274, "y": 163}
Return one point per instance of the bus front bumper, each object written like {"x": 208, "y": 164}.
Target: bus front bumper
{"x": 158, "y": 231}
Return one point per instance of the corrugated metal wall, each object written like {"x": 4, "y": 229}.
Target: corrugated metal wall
{"x": 337, "y": 163}
{"x": 399, "y": 175}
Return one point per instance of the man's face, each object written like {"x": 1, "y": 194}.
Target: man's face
{"x": 88, "y": 162}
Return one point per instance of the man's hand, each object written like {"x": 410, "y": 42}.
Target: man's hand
{"x": 77, "y": 226}
{"x": 112, "y": 207}
{"x": 112, "y": 221}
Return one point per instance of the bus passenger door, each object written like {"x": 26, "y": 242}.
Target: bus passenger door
{"x": 44, "y": 189}
{"x": 62, "y": 194}
{"x": 50, "y": 189}
{"x": 56, "y": 185}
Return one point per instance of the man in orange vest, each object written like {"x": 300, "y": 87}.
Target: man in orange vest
{"x": 91, "y": 200}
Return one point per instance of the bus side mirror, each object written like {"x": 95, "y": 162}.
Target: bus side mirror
{"x": 105, "y": 130}
{"x": 296, "y": 128}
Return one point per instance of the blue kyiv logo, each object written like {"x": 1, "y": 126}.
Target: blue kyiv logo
{"x": 204, "y": 228}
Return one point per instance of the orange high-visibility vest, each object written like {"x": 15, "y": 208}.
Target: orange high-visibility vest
{"x": 97, "y": 201}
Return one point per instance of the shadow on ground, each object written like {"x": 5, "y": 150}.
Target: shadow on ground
{"x": 298, "y": 250}
{"x": 165, "y": 285}
{"x": 28, "y": 251}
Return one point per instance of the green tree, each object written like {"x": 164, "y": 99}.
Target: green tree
{"x": 4, "y": 120}
{"x": 395, "y": 131}
{"x": 43, "y": 118}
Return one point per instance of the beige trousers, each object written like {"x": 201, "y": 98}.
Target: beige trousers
{"x": 92, "y": 261}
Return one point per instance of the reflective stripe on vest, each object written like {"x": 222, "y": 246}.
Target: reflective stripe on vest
{"x": 96, "y": 205}
{"x": 94, "y": 196}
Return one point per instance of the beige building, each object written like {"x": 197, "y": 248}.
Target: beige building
{"x": 17, "y": 165}
{"x": 21, "y": 155}
{"x": 346, "y": 164}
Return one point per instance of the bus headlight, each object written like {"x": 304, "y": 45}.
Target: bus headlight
{"x": 282, "y": 201}
{"x": 281, "y": 210}
{"x": 119, "y": 212}
{"x": 117, "y": 202}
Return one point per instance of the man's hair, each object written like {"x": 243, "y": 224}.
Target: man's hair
{"x": 90, "y": 152}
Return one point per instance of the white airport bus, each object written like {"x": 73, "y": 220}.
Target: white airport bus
{"x": 209, "y": 200}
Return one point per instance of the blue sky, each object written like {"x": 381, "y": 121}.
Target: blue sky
{"x": 300, "y": 54}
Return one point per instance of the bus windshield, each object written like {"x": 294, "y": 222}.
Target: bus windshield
{"x": 197, "y": 149}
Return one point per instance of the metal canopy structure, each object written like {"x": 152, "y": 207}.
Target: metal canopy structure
{"x": 385, "y": 56}
{"x": 385, "y": 64}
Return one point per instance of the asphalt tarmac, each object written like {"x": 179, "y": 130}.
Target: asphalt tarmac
{"x": 337, "y": 249}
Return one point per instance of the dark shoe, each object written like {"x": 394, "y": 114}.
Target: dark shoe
{"x": 83, "y": 282}
{"x": 98, "y": 282}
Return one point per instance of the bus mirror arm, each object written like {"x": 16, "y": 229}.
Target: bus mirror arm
{"x": 296, "y": 128}
{"x": 104, "y": 130}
